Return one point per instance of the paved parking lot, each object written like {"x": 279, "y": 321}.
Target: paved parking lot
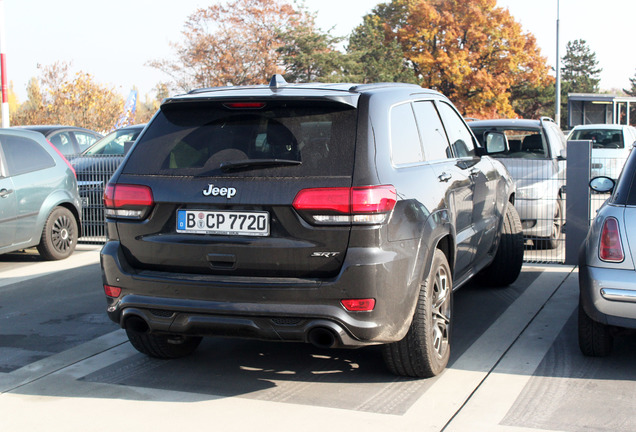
{"x": 515, "y": 366}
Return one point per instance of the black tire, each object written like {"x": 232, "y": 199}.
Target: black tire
{"x": 425, "y": 350}
{"x": 595, "y": 339}
{"x": 59, "y": 236}
{"x": 508, "y": 261}
{"x": 163, "y": 346}
{"x": 553, "y": 241}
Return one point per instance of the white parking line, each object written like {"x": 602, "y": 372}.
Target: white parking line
{"x": 452, "y": 389}
{"x": 85, "y": 255}
{"x": 497, "y": 394}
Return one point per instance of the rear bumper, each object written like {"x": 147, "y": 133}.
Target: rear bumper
{"x": 537, "y": 216}
{"x": 283, "y": 309}
{"x": 609, "y": 295}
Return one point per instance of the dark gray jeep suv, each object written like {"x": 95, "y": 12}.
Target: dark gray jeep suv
{"x": 339, "y": 215}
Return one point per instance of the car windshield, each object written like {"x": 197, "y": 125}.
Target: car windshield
{"x": 523, "y": 143}
{"x": 601, "y": 138}
{"x": 113, "y": 143}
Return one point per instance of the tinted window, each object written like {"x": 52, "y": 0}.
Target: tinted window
{"x": 24, "y": 155}
{"x": 432, "y": 132}
{"x": 196, "y": 139}
{"x": 405, "y": 141}
{"x": 458, "y": 134}
{"x": 601, "y": 138}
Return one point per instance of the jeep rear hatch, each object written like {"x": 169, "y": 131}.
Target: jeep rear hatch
{"x": 241, "y": 187}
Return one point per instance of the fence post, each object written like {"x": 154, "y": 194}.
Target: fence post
{"x": 577, "y": 213}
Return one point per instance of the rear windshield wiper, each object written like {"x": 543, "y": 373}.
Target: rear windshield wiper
{"x": 256, "y": 163}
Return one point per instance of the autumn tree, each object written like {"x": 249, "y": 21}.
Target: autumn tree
{"x": 235, "y": 43}
{"x": 58, "y": 98}
{"x": 470, "y": 50}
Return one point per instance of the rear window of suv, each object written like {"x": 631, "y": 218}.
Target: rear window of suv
{"x": 272, "y": 138}
{"x": 601, "y": 138}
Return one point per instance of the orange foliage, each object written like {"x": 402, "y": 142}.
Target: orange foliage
{"x": 472, "y": 51}
{"x": 234, "y": 43}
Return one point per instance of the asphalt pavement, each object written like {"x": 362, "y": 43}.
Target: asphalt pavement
{"x": 515, "y": 367}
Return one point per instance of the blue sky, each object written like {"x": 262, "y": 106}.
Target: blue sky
{"x": 112, "y": 40}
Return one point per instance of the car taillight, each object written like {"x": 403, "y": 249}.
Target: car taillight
{"x": 610, "y": 247}
{"x": 358, "y": 205}
{"x": 358, "y": 305}
{"x": 63, "y": 157}
{"x": 127, "y": 201}
{"x": 112, "y": 291}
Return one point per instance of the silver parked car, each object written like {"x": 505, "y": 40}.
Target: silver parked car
{"x": 536, "y": 162}
{"x": 607, "y": 278}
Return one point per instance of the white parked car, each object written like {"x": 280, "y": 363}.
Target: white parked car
{"x": 611, "y": 144}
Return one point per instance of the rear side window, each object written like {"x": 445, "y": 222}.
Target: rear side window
{"x": 460, "y": 138}
{"x": 281, "y": 138}
{"x": 405, "y": 141}
{"x": 432, "y": 132}
{"x": 601, "y": 138}
{"x": 24, "y": 155}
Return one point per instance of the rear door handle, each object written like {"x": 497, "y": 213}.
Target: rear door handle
{"x": 5, "y": 192}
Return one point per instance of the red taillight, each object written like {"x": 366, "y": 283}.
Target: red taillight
{"x": 611, "y": 248}
{"x": 329, "y": 199}
{"x": 112, "y": 291}
{"x": 63, "y": 157}
{"x": 244, "y": 105}
{"x": 374, "y": 199}
{"x": 358, "y": 305}
{"x": 124, "y": 200}
{"x": 368, "y": 204}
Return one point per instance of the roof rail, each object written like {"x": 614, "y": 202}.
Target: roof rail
{"x": 362, "y": 87}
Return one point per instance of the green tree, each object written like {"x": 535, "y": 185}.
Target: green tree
{"x": 374, "y": 54}
{"x": 307, "y": 53}
{"x": 580, "y": 71}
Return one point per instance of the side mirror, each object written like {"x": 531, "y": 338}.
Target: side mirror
{"x": 602, "y": 184}
{"x": 563, "y": 154}
{"x": 496, "y": 142}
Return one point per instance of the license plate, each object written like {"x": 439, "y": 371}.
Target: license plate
{"x": 223, "y": 222}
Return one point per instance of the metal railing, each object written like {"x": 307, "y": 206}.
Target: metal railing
{"x": 93, "y": 173}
